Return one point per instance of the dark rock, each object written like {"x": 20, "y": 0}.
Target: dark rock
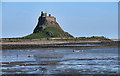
{"x": 49, "y": 33}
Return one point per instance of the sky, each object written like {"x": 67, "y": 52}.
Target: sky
{"x": 78, "y": 18}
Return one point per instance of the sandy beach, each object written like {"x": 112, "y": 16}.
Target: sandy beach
{"x": 53, "y": 44}
{"x": 46, "y": 42}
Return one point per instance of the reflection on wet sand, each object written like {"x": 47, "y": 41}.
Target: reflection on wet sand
{"x": 49, "y": 57}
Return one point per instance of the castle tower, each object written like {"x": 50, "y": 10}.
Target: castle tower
{"x": 43, "y": 14}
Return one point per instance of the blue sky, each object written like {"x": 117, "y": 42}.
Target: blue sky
{"x": 78, "y": 18}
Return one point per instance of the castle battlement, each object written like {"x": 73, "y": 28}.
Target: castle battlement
{"x": 48, "y": 18}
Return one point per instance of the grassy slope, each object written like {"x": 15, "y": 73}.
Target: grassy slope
{"x": 37, "y": 35}
{"x": 55, "y": 31}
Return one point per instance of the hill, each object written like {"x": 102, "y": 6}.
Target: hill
{"x": 47, "y": 27}
{"x": 49, "y": 32}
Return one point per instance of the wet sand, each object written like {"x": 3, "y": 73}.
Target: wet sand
{"x": 61, "y": 61}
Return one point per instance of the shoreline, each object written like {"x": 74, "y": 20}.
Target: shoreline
{"x": 56, "y": 44}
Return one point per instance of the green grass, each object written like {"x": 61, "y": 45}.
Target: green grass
{"x": 37, "y": 35}
{"x": 55, "y": 31}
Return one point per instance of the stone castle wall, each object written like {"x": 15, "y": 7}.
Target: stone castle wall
{"x": 51, "y": 19}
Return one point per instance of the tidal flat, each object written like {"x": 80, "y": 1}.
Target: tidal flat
{"x": 80, "y": 60}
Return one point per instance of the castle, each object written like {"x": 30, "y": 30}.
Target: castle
{"x": 47, "y": 26}
{"x": 45, "y": 21}
{"x": 49, "y": 18}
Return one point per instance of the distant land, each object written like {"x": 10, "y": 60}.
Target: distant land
{"x": 49, "y": 34}
{"x": 47, "y": 27}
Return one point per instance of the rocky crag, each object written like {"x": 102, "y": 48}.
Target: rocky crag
{"x": 48, "y": 27}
